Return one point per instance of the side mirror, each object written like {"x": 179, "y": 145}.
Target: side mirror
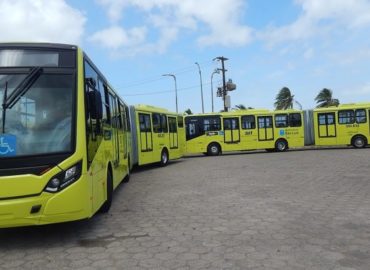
{"x": 96, "y": 105}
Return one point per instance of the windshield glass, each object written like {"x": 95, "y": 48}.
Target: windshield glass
{"x": 40, "y": 122}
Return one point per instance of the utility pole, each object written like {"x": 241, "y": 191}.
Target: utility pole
{"x": 174, "y": 77}
{"x": 223, "y": 59}
{"x": 201, "y": 85}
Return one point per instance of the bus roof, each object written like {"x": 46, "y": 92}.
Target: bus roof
{"x": 347, "y": 106}
{"x": 149, "y": 108}
{"x": 248, "y": 111}
{"x": 38, "y": 45}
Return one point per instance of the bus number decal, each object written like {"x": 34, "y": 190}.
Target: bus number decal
{"x": 249, "y": 132}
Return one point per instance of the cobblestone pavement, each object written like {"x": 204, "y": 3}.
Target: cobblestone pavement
{"x": 294, "y": 210}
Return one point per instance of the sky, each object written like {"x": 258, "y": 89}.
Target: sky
{"x": 305, "y": 45}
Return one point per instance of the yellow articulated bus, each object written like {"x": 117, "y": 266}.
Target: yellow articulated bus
{"x": 346, "y": 124}
{"x": 64, "y": 135}
{"x": 158, "y": 135}
{"x": 243, "y": 130}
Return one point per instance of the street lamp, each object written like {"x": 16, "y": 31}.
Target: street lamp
{"x": 201, "y": 85}
{"x": 216, "y": 71}
{"x": 174, "y": 77}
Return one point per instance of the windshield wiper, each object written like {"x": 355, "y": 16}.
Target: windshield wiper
{"x": 23, "y": 87}
{"x": 19, "y": 91}
{"x": 4, "y": 101}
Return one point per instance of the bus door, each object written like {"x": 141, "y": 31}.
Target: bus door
{"x": 327, "y": 127}
{"x": 123, "y": 131}
{"x": 146, "y": 136}
{"x": 173, "y": 135}
{"x": 265, "y": 128}
{"x": 114, "y": 131}
{"x": 231, "y": 130}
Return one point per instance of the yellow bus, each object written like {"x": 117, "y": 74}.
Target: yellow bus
{"x": 158, "y": 135}
{"x": 346, "y": 124}
{"x": 241, "y": 130}
{"x": 64, "y": 140}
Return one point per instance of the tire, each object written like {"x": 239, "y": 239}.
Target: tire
{"x": 107, "y": 204}
{"x": 359, "y": 142}
{"x": 281, "y": 145}
{"x": 164, "y": 158}
{"x": 127, "y": 177}
{"x": 213, "y": 149}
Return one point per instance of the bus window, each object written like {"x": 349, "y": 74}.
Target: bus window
{"x": 156, "y": 119}
{"x": 361, "y": 116}
{"x": 326, "y": 119}
{"x": 180, "y": 121}
{"x": 281, "y": 120}
{"x": 164, "y": 127}
{"x": 346, "y": 117}
{"x": 172, "y": 124}
{"x": 295, "y": 120}
{"x": 212, "y": 124}
{"x": 248, "y": 122}
{"x": 128, "y": 123}
{"x": 145, "y": 125}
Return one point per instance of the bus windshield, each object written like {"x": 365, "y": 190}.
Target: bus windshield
{"x": 39, "y": 121}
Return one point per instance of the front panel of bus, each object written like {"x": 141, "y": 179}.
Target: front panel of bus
{"x": 42, "y": 141}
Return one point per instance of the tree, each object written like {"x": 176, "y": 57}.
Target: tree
{"x": 188, "y": 112}
{"x": 325, "y": 98}
{"x": 241, "y": 107}
{"x": 284, "y": 99}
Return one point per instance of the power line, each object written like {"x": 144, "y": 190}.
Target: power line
{"x": 167, "y": 91}
{"x": 160, "y": 77}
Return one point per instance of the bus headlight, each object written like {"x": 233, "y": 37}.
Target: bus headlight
{"x": 64, "y": 178}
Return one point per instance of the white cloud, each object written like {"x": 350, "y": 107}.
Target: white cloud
{"x": 359, "y": 91}
{"x": 319, "y": 17}
{"x": 217, "y": 23}
{"x": 115, "y": 37}
{"x": 38, "y": 20}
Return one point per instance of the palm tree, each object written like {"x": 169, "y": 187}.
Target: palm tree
{"x": 325, "y": 98}
{"x": 284, "y": 99}
{"x": 188, "y": 112}
{"x": 241, "y": 107}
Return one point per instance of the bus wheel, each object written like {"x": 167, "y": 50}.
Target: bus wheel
{"x": 281, "y": 145}
{"x": 213, "y": 149}
{"x": 127, "y": 177}
{"x": 164, "y": 158}
{"x": 359, "y": 142}
{"x": 107, "y": 204}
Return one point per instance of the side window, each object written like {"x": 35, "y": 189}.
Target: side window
{"x": 105, "y": 102}
{"x": 122, "y": 116}
{"x": 346, "y": 117}
{"x": 114, "y": 111}
{"x": 248, "y": 122}
{"x": 361, "y": 116}
{"x": 164, "y": 126}
{"x": 172, "y": 124}
{"x": 156, "y": 119}
{"x": 326, "y": 118}
{"x": 128, "y": 121}
{"x": 265, "y": 122}
{"x": 145, "y": 125}
{"x": 180, "y": 121}
{"x": 281, "y": 120}
{"x": 295, "y": 120}
{"x": 212, "y": 124}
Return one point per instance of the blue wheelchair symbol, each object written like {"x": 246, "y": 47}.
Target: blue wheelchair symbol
{"x": 8, "y": 144}
{"x": 282, "y": 132}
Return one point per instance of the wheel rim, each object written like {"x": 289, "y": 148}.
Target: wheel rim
{"x": 164, "y": 158}
{"x": 359, "y": 142}
{"x": 281, "y": 146}
{"x": 214, "y": 149}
